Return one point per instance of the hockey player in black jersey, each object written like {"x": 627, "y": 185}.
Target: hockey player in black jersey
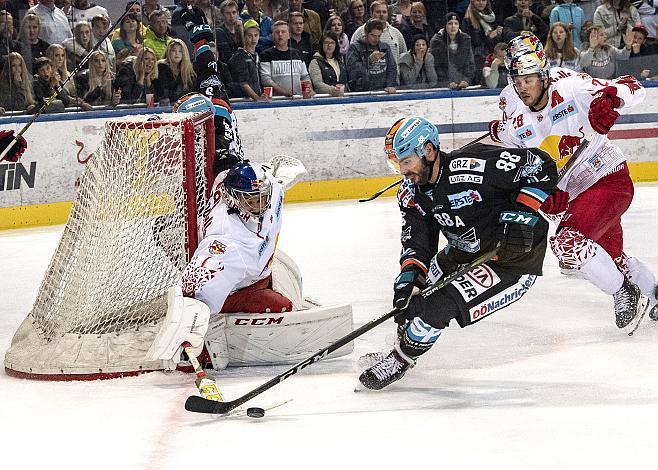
{"x": 213, "y": 78}
{"x": 481, "y": 197}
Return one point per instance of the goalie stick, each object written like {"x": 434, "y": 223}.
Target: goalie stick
{"x": 197, "y": 404}
{"x": 207, "y": 386}
{"x": 383, "y": 190}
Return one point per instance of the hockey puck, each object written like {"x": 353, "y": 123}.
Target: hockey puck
{"x": 255, "y": 412}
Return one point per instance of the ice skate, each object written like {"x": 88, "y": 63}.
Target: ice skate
{"x": 386, "y": 371}
{"x": 653, "y": 313}
{"x": 630, "y": 305}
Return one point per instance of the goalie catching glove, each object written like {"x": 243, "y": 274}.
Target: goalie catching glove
{"x": 16, "y": 150}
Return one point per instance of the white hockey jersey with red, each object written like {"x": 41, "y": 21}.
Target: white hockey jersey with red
{"x": 563, "y": 124}
{"x": 235, "y": 251}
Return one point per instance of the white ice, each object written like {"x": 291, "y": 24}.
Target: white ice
{"x": 548, "y": 383}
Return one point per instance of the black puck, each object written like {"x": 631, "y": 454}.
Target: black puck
{"x": 255, "y": 412}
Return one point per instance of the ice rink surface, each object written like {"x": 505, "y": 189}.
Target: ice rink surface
{"x": 548, "y": 383}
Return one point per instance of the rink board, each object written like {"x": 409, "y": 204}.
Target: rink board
{"x": 339, "y": 140}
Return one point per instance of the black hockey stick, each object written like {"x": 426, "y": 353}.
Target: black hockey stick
{"x": 197, "y": 404}
{"x": 382, "y": 191}
{"x": 60, "y": 87}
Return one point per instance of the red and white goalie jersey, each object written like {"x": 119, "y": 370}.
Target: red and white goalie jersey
{"x": 236, "y": 250}
{"x": 560, "y": 127}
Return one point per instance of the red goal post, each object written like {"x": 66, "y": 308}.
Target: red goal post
{"x": 132, "y": 229}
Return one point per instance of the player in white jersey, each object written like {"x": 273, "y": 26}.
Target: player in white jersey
{"x": 555, "y": 110}
{"x": 231, "y": 268}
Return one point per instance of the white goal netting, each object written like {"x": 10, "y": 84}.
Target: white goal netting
{"x": 131, "y": 231}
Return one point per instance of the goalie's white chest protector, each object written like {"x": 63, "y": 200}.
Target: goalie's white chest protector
{"x": 235, "y": 251}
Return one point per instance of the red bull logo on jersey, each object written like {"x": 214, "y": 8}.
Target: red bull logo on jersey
{"x": 217, "y": 248}
{"x": 560, "y": 148}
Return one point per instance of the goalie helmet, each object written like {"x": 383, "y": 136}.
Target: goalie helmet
{"x": 408, "y": 136}
{"x": 247, "y": 189}
{"x": 193, "y": 103}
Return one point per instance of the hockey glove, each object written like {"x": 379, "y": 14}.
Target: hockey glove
{"x": 16, "y": 150}
{"x": 516, "y": 234}
{"x": 602, "y": 110}
{"x": 403, "y": 286}
{"x": 197, "y": 25}
{"x": 494, "y": 127}
{"x": 556, "y": 203}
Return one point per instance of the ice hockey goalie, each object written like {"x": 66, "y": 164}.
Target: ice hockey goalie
{"x": 240, "y": 299}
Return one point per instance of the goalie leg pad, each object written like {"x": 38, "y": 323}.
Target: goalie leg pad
{"x": 287, "y": 278}
{"x": 260, "y": 339}
{"x": 216, "y": 342}
{"x": 187, "y": 320}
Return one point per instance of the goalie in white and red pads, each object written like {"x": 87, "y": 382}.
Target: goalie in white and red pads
{"x": 555, "y": 109}
{"x": 248, "y": 286}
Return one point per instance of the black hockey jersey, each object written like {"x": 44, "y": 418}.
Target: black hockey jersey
{"x": 474, "y": 186}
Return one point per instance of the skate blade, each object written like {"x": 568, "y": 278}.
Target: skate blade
{"x": 635, "y": 322}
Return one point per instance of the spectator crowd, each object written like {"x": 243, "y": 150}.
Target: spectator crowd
{"x": 267, "y": 48}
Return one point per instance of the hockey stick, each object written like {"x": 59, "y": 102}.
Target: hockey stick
{"x": 200, "y": 405}
{"x": 207, "y": 386}
{"x": 60, "y": 87}
{"x": 382, "y": 191}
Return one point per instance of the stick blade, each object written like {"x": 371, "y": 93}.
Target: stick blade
{"x": 196, "y": 404}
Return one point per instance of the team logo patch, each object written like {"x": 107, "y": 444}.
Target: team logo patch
{"x": 563, "y": 111}
{"x": 465, "y": 198}
{"x": 502, "y": 103}
{"x": 477, "y": 281}
{"x": 595, "y": 162}
{"x": 502, "y": 299}
{"x": 468, "y": 242}
{"x": 532, "y": 166}
{"x": 454, "y": 179}
{"x": 471, "y": 164}
{"x": 217, "y": 248}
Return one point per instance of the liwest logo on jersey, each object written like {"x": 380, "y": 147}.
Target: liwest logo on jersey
{"x": 563, "y": 111}
{"x": 504, "y": 298}
{"x": 465, "y": 178}
{"x": 471, "y": 164}
{"x": 525, "y": 133}
{"x": 475, "y": 282}
{"x": 465, "y": 198}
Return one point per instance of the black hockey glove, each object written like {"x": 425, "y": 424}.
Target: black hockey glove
{"x": 224, "y": 160}
{"x": 516, "y": 233}
{"x": 403, "y": 286}
{"x": 197, "y": 25}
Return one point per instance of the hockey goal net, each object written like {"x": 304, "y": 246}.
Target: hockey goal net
{"x": 131, "y": 231}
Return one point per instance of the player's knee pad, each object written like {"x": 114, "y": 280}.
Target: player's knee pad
{"x": 418, "y": 337}
{"x": 572, "y": 248}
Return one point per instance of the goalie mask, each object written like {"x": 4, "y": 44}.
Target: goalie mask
{"x": 247, "y": 189}
{"x": 408, "y": 136}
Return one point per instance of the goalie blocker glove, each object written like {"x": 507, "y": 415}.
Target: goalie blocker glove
{"x": 16, "y": 150}
{"x": 516, "y": 233}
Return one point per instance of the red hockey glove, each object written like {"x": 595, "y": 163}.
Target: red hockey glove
{"x": 602, "y": 110}
{"x": 16, "y": 150}
{"x": 556, "y": 203}
{"x": 494, "y": 127}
